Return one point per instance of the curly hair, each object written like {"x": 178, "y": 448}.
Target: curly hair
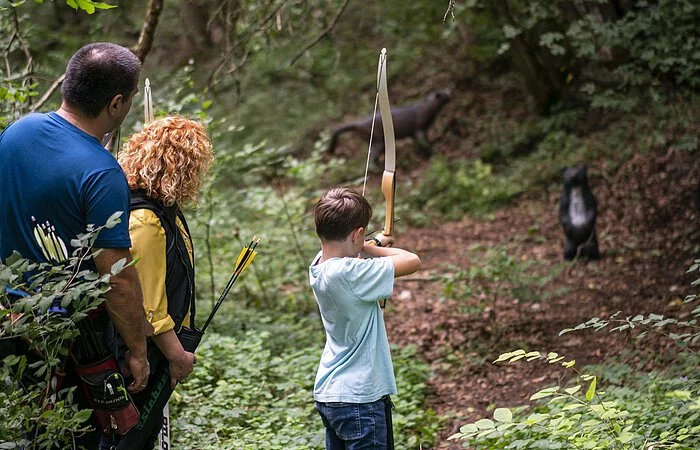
{"x": 168, "y": 159}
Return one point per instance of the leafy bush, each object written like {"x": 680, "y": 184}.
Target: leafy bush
{"x": 649, "y": 411}
{"x": 497, "y": 275}
{"x": 656, "y": 410}
{"x": 259, "y": 389}
{"x": 453, "y": 188}
{"x": 618, "y": 55}
{"x": 47, "y": 419}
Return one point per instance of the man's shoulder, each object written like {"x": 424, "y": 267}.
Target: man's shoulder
{"x": 28, "y": 123}
{"x": 32, "y": 119}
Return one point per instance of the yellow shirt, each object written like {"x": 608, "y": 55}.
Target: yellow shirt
{"x": 148, "y": 244}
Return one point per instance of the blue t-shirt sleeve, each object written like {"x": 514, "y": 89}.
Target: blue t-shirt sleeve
{"x": 105, "y": 193}
{"x": 370, "y": 279}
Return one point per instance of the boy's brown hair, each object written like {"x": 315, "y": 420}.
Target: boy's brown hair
{"x": 339, "y": 212}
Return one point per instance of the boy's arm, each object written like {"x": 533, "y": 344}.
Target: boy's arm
{"x": 405, "y": 262}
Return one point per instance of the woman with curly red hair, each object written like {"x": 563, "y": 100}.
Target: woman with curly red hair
{"x": 164, "y": 166}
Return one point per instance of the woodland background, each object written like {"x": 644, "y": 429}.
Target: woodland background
{"x": 537, "y": 85}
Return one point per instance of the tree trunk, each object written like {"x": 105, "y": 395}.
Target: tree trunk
{"x": 148, "y": 30}
{"x": 539, "y": 68}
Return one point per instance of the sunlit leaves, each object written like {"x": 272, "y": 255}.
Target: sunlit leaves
{"x": 88, "y": 6}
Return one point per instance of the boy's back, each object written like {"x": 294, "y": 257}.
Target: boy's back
{"x": 355, "y": 377}
{"x": 356, "y": 364}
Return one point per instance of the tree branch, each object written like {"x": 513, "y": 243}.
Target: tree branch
{"x": 26, "y": 76}
{"x": 148, "y": 30}
{"x": 141, "y": 49}
{"x": 450, "y": 11}
{"x": 244, "y": 39}
{"x": 48, "y": 92}
{"x": 323, "y": 34}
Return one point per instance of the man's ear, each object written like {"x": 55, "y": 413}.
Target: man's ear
{"x": 115, "y": 104}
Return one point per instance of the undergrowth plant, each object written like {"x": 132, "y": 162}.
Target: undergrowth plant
{"x": 496, "y": 275}
{"x": 645, "y": 411}
{"x": 256, "y": 391}
{"x": 453, "y": 188}
{"x": 34, "y": 414}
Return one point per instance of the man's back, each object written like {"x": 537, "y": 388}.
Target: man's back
{"x": 56, "y": 179}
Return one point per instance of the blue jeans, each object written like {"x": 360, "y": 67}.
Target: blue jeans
{"x": 353, "y": 426}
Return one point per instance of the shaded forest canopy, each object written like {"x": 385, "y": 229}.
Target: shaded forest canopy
{"x": 536, "y": 85}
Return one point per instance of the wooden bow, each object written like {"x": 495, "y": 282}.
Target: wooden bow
{"x": 389, "y": 175}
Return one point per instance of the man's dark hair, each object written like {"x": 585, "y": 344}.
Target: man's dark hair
{"x": 339, "y": 212}
{"x": 98, "y": 72}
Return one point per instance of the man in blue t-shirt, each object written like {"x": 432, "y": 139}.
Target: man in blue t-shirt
{"x": 355, "y": 377}
{"x": 57, "y": 179}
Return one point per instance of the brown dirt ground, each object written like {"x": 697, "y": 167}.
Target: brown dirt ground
{"x": 647, "y": 229}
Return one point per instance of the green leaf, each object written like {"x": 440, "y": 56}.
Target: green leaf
{"x": 573, "y": 390}
{"x": 591, "y": 390}
{"x": 572, "y": 406}
{"x": 544, "y": 393}
{"x": 86, "y": 6}
{"x": 626, "y": 436}
{"x": 114, "y": 219}
{"x": 118, "y": 266}
{"x": 83, "y": 415}
{"x": 509, "y": 355}
{"x": 536, "y": 418}
{"x": 503, "y": 415}
{"x": 469, "y": 428}
{"x": 485, "y": 424}
{"x": 101, "y": 5}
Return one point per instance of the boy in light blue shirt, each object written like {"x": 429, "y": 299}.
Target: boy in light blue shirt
{"x": 355, "y": 376}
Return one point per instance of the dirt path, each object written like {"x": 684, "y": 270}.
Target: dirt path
{"x": 647, "y": 228}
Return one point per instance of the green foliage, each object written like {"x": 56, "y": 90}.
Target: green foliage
{"x": 453, "y": 188}
{"x": 89, "y": 6}
{"x": 659, "y": 38}
{"x": 259, "y": 388}
{"x": 18, "y": 86}
{"x": 49, "y": 419}
{"x": 684, "y": 333}
{"x": 497, "y": 275}
{"x": 617, "y": 56}
{"x": 645, "y": 411}
{"x": 650, "y": 411}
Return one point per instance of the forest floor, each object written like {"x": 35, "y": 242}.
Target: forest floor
{"x": 648, "y": 235}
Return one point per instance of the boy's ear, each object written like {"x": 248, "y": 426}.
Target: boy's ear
{"x": 359, "y": 233}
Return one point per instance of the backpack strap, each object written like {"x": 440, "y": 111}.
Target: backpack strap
{"x": 168, "y": 218}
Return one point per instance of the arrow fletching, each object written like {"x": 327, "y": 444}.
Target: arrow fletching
{"x": 242, "y": 262}
{"x": 246, "y": 256}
